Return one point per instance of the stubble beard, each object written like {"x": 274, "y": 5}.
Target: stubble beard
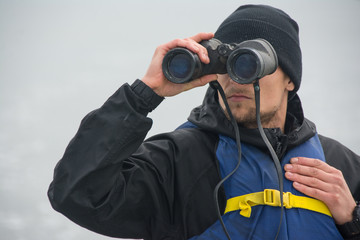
{"x": 245, "y": 113}
{"x": 247, "y": 117}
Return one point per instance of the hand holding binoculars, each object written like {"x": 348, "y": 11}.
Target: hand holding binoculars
{"x": 244, "y": 62}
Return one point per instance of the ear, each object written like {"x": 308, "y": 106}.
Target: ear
{"x": 290, "y": 85}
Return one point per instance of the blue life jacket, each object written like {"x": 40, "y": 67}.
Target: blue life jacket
{"x": 256, "y": 173}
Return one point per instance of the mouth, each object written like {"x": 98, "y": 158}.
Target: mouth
{"x": 238, "y": 97}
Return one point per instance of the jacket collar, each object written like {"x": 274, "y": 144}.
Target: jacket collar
{"x": 210, "y": 116}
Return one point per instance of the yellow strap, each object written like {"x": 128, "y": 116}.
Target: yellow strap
{"x": 271, "y": 197}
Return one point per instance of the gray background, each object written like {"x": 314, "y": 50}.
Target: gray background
{"x": 61, "y": 59}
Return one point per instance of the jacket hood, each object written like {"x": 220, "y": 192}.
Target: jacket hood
{"x": 210, "y": 117}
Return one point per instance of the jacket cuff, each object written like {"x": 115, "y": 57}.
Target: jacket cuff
{"x": 147, "y": 94}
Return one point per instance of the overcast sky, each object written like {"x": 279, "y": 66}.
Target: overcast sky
{"x": 61, "y": 59}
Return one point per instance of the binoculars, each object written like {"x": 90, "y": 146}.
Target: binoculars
{"x": 245, "y": 62}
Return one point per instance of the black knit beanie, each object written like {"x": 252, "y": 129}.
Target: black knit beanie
{"x": 261, "y": 21}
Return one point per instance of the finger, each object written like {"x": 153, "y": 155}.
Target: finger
{"x": 305, "y": 170}
{"x": 312, "y": 162}
{"x": 315, "y": 168}
{"x": 190, "y": 44}
{"x": 184, "y": 43}
{"x": 200, "y": 50}
{"x": 313, "y": 192}
{"x": 202, "y": 36}
{"x": 334, "y": 177}
{"x": 310, "y": 181}
{"x": 193, "y": 45}
{"x": 202, "y": 53}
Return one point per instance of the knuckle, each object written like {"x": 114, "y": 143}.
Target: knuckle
{"x": 178, "y": 42}
{"x": 315, "y": 192}
{"x": 335, "y": 198}
{"x": 314, "y": 181}
{"x": 338, "y": 177}
{"x": 187, "y": 40}
{"x": 314, "y": 171}
{"x": 315, "y": 161}
{"x": 338, "y": 180}
{"x": 159, "y": 49}
{"x": 336, "y": 188}
{"x": 338, "y": 173}
{"x": 295, "y": 167}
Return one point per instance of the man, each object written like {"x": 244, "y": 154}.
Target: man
{"x": 113, "y": 182}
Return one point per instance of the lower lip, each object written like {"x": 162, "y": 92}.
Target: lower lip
{"x": 238, "y": 98}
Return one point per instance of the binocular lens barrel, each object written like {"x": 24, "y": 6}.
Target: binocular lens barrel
{"x": 245, "y": 66}
{"x": 180, "y": 65}
{"x": 244, "y": 62}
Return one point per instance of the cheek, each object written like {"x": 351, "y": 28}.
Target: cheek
{"x": 270, "y": 97}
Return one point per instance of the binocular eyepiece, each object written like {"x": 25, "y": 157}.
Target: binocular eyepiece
{"x": 244, "y": 62}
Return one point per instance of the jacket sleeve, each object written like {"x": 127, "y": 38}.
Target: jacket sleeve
{"x": 99, "y": 184}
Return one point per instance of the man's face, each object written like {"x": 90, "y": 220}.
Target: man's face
{"x": 274, "y": 90}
